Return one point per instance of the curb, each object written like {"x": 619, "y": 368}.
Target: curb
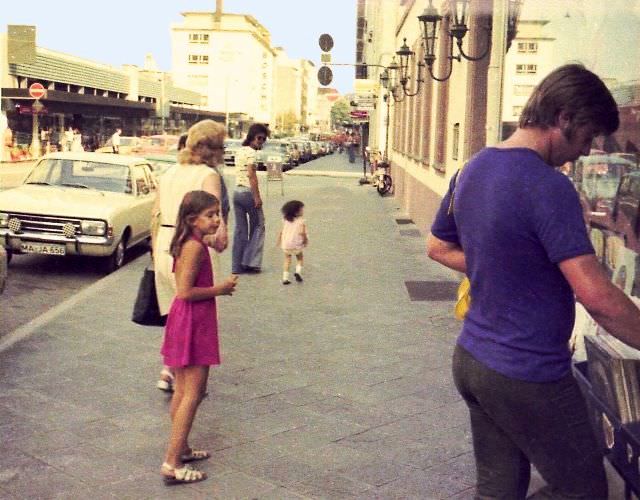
{"x": 28, "y": 329}
{"x": 323, "y": 173}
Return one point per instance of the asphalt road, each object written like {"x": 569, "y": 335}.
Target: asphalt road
{"x": 37, "y": 283}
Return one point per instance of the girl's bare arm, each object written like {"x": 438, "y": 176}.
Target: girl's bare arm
{"x": 187, "y": 269}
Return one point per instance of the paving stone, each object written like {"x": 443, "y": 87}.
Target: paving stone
{"x": 334, "y": 457}
{"x": 38, "y": 480}
{"x": 280, "y": 494}
{"x": 284, "y": 471}
{"x": 150, "y": 485}
{"x": 234, "y": 485}
{"x": 331, "y": 486}
{"x": 423, "y": 484}
{"x": 377, "y": 473}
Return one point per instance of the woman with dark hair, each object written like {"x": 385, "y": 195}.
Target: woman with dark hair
{"x": 248, "y": 237}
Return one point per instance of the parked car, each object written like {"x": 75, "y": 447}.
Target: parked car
{"x": 627, "y": 210}
{"x": 274, "y": 151}
{"x": 316, "y": 152}
{"x": 4, "y": 264}
{"x": 160, "y": 163}
{"x": 305, "y": 150}
{"x": 295, "y": 154}
{"x": 80, "y": 204}
{"x": 598, "y": 178}
{"x": 230, "y": 148}
{"x": 128, "y": 146}
{"x": 158, "y": 144}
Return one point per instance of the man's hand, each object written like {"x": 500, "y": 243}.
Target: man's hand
{"x": 257, "y": 201}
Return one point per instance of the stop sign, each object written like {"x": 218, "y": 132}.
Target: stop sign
{"x": 37, "y": 90}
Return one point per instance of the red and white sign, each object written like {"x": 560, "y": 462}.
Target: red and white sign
{"x": 359, "y": 114}
{"x": 37, "y": 90}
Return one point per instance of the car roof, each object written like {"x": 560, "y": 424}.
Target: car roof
{"x": 96, "y": 157}
{"x": 605, "y": 158}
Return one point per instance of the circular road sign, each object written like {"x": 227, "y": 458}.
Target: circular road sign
{"x": 37, "y": 90}
{"x": 326, "y": 42}
{"x": 325, "y": 75}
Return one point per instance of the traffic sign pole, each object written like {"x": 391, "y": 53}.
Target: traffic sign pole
{"x": 37, "y": 91}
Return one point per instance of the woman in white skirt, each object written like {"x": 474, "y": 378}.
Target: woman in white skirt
{"x": 196, "y": 170}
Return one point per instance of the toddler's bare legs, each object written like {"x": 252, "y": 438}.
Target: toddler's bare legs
{"x": 285, "y": 269}
{"x": 299, "y": 264}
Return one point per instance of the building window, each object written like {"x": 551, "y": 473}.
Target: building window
{"x": 198, "y": 59}
{"x": 526, "y": 69}
{"x": 522, "y": 90}
{"x": 199, "y": 38}
{"x": 456, "y": 141}
{"x": 528, "y": 47}
{"x": 517, "y": 111}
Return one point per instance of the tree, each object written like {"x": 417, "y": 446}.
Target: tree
{"x": 340, "y": 112}
{"x": 287, "y": 123}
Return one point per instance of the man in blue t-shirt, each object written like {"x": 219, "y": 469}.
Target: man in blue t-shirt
{"x": 516, "y": 229}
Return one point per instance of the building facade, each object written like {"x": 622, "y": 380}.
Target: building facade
{"x": 287, "y": 94}
{"x": 528, "y": 61}
{"x": 325, "y": 100}
{"x": 93, "y": 97}
{"x": 433, "y": 126}
{"x": 229, "y": 59}
{"x": 308, "y": 98}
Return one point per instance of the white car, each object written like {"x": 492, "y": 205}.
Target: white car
{"x": 80, "y": 204}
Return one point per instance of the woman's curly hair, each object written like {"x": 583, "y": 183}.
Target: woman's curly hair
{"x": 205, "y": 143}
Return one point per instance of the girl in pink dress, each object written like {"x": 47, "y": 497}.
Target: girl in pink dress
{"x": 293, "y": 238}
{"x": 191, "y": 335}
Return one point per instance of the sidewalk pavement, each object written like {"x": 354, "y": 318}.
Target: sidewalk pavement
{"x": 338, "y": 387}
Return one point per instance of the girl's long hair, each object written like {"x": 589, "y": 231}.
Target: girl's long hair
{"x": 290, "y": 209}
{"x": 193, "y": 204}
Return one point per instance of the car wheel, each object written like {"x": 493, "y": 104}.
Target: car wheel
{"x": 115, "y": 261}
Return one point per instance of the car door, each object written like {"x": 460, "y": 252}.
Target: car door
{"x": 144, "y": 195}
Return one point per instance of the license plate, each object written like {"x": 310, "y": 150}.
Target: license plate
{"x": 43, "y": 248}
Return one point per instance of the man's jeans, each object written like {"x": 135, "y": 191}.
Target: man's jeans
{"x": 516, "y": 423}
{"x": 248, "y": 237}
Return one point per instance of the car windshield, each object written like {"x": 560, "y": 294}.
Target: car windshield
{"x": 232, "y": 144}
{"x": 601, "y": 180}
{"x": 273, "y": 147}
{"x": 80, "y": 173}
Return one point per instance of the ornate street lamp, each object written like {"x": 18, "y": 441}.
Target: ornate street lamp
{"x": 390, "y": 76}
{"x": 429, "y": 19}
{"x": 384, "y": 78}
{"x": 406, "y": 55}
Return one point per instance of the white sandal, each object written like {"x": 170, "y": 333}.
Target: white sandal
{"x": 166, "y": 385}
{"x": 185, "y": 474}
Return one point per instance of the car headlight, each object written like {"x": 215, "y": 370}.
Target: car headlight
{"x": 4, "y": 219}
{"x": 93, "y": 227}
